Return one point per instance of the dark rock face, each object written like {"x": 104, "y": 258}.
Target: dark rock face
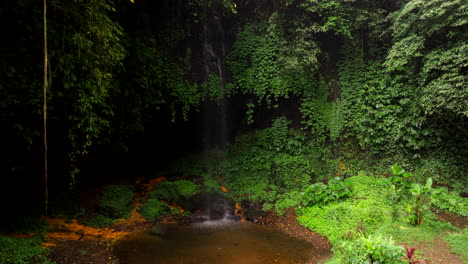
{"x": 210, "y": 206}
{"x": 220, "y": 207}
{"x": 253, "y": 213}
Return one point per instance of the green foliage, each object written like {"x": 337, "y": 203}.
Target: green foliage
{"x": 274, "y": 138}
{"x": 153, "y": 208}
{"x": 445, "y": 80}
{"x": 272, "y": 166}
{"x": 332, "y": 16}
{"x": 156, "y": 80}
{"x": 22, "y": 251}
{"x": 284, "y": 201}
{"x": 406, "y": 233}
{"x": 372, "y": 249}
{"x": 86, "y": 52}
{"x": 377, "y": 113}
{"x": 268, "y": 61}
{"x": 458, "y": 243}
{"x": 213, "y": 88}
{"x": 400, "y": 182}
{"x": 175, "y": 191}
{"x": 210, "y": 184}
{"x": 428, "y": 43}
{"x": 321, "y": 193}
{"x": 418, "y": 28}
{"x": 321, "y": 118}
{"x": 368, "y": 208}
{"x": 422, "y": 201}
{"x": 451, "y": 202}
{"x": 116, "y": 201}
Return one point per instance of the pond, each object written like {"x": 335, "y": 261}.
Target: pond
{"x": 213, "y": 242}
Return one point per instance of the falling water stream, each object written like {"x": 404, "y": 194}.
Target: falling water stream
{"x": 213, "y": 242}
{"x": 214, "y": 59}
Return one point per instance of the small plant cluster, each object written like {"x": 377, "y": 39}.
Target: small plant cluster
{"x": 174, "y": 191}
{"x": 421, "y": 202}
{"x": 153, "y": 208}
{"x": 376, "y": 249}
{"x": 400, "y": 180}
{"x": 321, "y": 193}
{"x": 418, "y": 197}
{"x": 371, "y": 249}
{"x": 409, "y": 256}
{"x": 115, "y": 202}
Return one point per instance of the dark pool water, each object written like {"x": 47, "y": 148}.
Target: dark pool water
{"x": 211, "y": 242}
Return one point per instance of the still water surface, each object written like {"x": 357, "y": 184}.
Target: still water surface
{"x": 213, "y": 242}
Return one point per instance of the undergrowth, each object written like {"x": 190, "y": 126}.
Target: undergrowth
{"x": 153, "y": 208}
{"x": 115, "y": 203}
{"x": 271, "y": 166}
{"x": 23, "y": 250}
{"x": 175, "y": 191}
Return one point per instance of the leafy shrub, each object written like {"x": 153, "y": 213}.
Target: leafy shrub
{"x": 321, "y": 193}
{"x": 153, "y": 208}
{"x": 275, "y": 137}
{"x": 409, "y": 255}
{"x": 400, "y": 178}
{"x": 284, "y": 201}
{"x": 22, "y": 250}
{"x": 116, "y": 201}
{"x": 209, "y": 183}
{"x": 451, "y": 202}
{"x": 175, "y": 191}
{"x": 371, "y": 250}
{"x": 422, "y": 201}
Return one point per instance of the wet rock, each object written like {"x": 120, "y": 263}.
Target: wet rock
{"x": 209, "y": 206}
{"x": 158, "y": 229}
{"x": 253, "y": 213}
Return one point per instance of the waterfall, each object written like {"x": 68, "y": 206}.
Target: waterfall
{"x": 214, "y": 57}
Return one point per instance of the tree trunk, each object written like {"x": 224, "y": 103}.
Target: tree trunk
{"x": 44, "y": 108}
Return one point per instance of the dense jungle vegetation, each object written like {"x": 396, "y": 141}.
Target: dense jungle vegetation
{"x": 353, "y": 112}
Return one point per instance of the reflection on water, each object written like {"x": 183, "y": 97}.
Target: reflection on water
{"x": 213, "y": 242}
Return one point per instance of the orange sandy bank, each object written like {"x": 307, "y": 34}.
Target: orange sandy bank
{"x": 70, "y": 229}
